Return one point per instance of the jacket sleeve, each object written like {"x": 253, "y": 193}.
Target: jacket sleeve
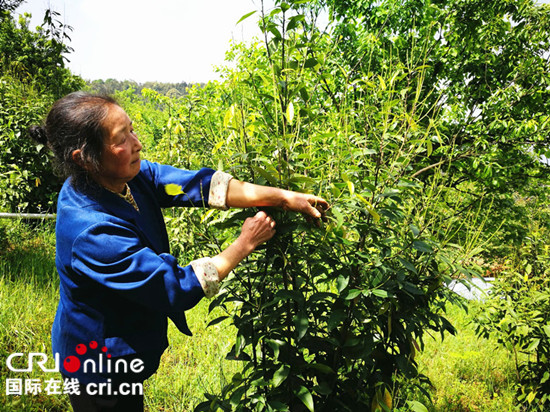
{"x": 113, "y": 255}
{"x": 200, "y": 188}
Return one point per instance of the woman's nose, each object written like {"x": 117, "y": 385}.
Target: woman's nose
{"x": 138, "y": 146}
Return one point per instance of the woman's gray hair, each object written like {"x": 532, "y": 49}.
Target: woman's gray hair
{"x": 75, "y": 122}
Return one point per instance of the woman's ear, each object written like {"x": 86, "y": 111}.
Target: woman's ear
{"x": 78, "y": 158}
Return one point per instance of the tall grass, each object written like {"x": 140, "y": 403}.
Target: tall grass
{"x": 192, "y": 366}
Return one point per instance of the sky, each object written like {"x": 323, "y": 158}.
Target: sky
{"x": 143, "y": 40}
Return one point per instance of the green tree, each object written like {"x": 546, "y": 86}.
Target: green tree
{"x": 396, "y": 117}
{"x": 486, "y": 74}
{"x": 10, "y": 5}
{"x": 332, "y": 318}
{"x": 518, "y": 314}
{"x": 32, "y": 76}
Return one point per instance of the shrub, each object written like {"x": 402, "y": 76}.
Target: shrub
{"x": 518, "y": 314}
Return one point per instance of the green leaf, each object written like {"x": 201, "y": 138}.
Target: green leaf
{"x": 352, "y": 294}
{"x": 293, "y": 21}
{"x": 246, "y": 16}
{"x": 322, "y": 368}
{"x": 339, "y": 220}
{"x": 228, "y": 118}
{"x": 276, "y": 33}
{"x": 417, "y": 406}
{"x": 173, "y": 189}
{"x": 336, "y": 317}
{"x": 275, "y": 345}
{"x": 407, "y": 264}
{"x": 380, "y": 293}
{"x": 216, "y": 321}
{"x": 370, "y": 209}
{"x": 382, "y": 82}
{"x": 351, "y": 187}
{"x": 341, "y": 283}
{"x": 217, "y": 146}
{"x": 273, "y": 180}
{"x": 422, "y": 246}
{"x": 179, "y": 128}
{"x": 301, "y": 323}
{"x": 237, "y": 396}
{"x": 296, "y": 178}
{"x": 546, "y": 329}
{"x": 277, "y": 406}
{"x": 311, "y": 62}
{"x": 280, "y": 375}
{"x": 305, "y": 396}
{"x": 429, "y": 147}
{"x": 533, "y": 345}
{"x": 323, "y": 388}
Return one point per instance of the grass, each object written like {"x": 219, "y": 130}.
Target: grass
{"x": 28, "y": 296}
{"x": 468, "y": 373}
{"x": 193, "y": 365}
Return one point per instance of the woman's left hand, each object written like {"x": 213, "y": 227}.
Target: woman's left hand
{"x": 311, "y": 206}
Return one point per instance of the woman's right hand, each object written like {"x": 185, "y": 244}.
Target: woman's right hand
{"x": 257, "y": 230}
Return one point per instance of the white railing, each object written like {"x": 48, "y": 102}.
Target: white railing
{"x": 35, "y": 216}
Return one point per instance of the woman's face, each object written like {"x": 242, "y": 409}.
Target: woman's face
{"x": 120, "y": 161}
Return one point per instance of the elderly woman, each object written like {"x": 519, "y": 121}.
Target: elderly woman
{"x": 118, "y": 281}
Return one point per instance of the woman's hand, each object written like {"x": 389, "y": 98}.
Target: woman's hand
{"x": 257, "y": 230}
{"x": 309, "y": 205}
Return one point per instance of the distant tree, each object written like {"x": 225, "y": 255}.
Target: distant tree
{"x": 110, "y": 86}
{"x": 173, "y": 93}
{"x": 485, "y": 72}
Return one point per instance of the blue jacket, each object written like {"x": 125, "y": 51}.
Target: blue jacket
{"x": 118, "y": 281}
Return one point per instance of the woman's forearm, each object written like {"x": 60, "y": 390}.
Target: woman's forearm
{"x": 229, "y": 258}
{"x": 243, "y": 194}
